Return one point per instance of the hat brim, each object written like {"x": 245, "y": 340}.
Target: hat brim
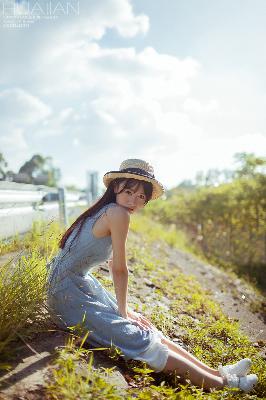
{"x": 158, "y": 188}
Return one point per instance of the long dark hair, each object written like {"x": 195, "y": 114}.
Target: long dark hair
{"x": 109, "y": 196}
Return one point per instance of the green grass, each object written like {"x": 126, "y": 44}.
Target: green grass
{"x": 13, "y": 244}
{"x": 22, "y": 284}
{"x": 153, "y": 231}
{"x": 74, "y": 377}
{"x": 174, "y": 302}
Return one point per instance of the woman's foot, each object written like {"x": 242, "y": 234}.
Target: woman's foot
{"x": 245, "y": 383}
{"x": 241, "y": 368}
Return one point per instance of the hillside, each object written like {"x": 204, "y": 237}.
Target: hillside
{"x": 188, "y": 300}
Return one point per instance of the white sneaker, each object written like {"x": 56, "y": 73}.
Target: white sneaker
{"x": 244, "y": 383}
{"x": 241, "y": 368}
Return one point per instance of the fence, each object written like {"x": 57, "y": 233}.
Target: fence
{"x": 21, "y": 204}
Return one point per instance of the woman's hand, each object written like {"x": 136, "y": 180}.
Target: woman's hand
{"x": 139, "y": 319}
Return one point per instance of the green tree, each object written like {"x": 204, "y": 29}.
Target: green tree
{"x": 186, "y": 184}
{"x": 3, "y": 165}
{"x": 41, "y": 170}
{"x": 249, "y": 164}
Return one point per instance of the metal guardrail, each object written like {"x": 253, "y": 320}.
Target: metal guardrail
{"x": 21, "y": 204}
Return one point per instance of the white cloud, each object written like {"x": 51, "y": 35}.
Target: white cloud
{"x": 196, "y": 155}
{"x": 194, "y": 106}
{"x": 20, "y": 107}
{"x": 14, "y": 148}
{"x": 14, "y": 140}
{"x": 72, "y": 97}
{"x": 76, "y": 142}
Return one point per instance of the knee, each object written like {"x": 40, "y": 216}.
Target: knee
{"x": 170, "y": 364}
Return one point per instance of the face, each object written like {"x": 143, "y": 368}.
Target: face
{"x": 131, "y": 199}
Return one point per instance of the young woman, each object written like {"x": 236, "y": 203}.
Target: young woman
{"x": 77, "y": 298}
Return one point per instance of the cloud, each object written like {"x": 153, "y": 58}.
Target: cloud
{"x": 194, "y": 106}
{"x": 14, "y": 140}
{"x": 75, "y": 99}
{"x": 18, "y": 148}
{"x": 20, "y": 107}
{"x": 216, "y": 152}
{"x": 111, "y": 93}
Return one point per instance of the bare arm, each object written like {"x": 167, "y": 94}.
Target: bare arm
{"x": 120, "y": 279}
{"x": 118, "y": 219}
{"x": 118, "y": 226}
{"x": 110, "y": 266}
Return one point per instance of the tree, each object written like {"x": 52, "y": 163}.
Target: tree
{"x": 212, "y": 177}
{"x": 228, "y": 175}
{"x": 200, "y": 179}
{"x": 186, "y": 184}
{"x": 41, "y": 171}
{"x": 3, "y": 165}
{"x": 249, "y": 164}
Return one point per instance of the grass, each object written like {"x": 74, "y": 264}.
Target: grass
{"x": 154, "y": 231}
{"x": 74, "y": 377}
{"x": 13, "y": 244}
{"x": 174, "y": 302}
{"x": 22, "y": 284}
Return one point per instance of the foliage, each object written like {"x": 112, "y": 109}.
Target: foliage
{"x": 74, "y": 376}
{"x": 22, "y": 284}
{"x": 225, "y": 223}
{"x": 40, "y": 170}
{"x": 3, "y": 165}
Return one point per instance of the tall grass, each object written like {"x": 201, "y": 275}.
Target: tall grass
{"x": 21, "y": 295}
{"x": 75, "y": 377}
{"x": 154, "y": 231}
{"x": 22, "y": 284}
{"x": 6, "y": 246}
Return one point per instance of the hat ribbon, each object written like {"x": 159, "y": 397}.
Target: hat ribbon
{"x": 138, "y": 171}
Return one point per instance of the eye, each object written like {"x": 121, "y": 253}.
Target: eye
{"x": 128, "y": 191}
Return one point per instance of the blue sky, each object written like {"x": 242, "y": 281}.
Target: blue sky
{"x": 178, "y": 83}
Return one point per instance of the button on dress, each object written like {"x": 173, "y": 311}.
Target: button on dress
{"x": 76, "y": 297}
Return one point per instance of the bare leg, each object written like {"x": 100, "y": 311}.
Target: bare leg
{"x": 184, "y": 353}
{"x": 197, "y": 375}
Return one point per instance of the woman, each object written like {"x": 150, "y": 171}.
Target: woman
{"x": 77, "y": 298}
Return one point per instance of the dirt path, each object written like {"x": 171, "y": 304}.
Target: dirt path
{"x": 232, "y": 293}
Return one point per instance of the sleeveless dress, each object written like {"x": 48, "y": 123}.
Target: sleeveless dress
{"x": 76, "y": 297}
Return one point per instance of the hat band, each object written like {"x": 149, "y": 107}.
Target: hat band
{"x": 138, "y": 171}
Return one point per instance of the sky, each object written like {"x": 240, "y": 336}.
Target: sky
{"x": 178, "y": 83}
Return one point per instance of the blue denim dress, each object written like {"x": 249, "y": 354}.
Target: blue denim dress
{"x": 76, "y": 297}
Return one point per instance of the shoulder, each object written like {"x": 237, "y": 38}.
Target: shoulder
{"x": 117, "y": 214}
{"x": 115, "y": 210}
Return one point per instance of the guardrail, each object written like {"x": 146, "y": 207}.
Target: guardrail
{"x": 21, "y": 204}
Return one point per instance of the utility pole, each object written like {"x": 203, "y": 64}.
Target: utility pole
{"x": 92, "y": 186}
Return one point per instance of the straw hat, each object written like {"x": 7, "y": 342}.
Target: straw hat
{"x": 138, "y": 169}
